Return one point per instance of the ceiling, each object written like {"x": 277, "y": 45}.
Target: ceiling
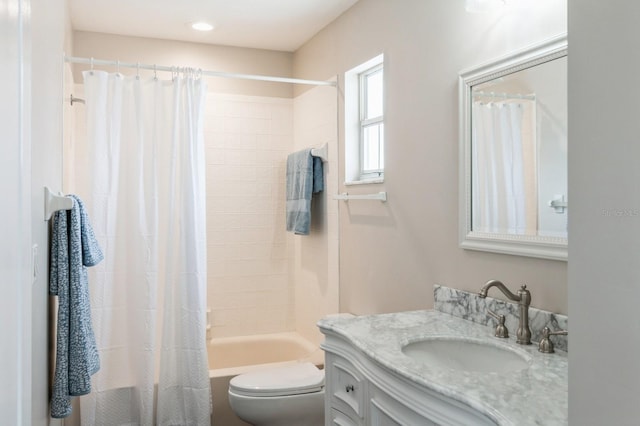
{"x": 264, "y": 24}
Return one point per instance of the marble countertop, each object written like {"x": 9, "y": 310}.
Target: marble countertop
{"x": 537, "y": 395}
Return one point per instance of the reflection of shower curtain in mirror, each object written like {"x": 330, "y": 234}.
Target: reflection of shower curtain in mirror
{"x": 504, "y": 171}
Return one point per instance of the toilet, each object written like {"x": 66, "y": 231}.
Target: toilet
{"x": 291, "y": 395}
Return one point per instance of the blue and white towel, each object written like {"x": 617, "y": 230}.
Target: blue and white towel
{"x": 73, "y": 248}
{"x": 304, "y": 178}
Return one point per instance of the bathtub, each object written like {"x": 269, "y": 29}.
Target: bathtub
{"x": 230, "y": 356}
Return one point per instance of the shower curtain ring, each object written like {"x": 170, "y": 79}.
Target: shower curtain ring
{"x": 155, "y": 72}
{"x": 118, "y": 66}
{"x": 91, "y": 65}
{"x": 137, "y": 70}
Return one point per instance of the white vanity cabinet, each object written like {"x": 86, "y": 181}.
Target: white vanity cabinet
{"x": 372, "y": 378}
{"x": 361, "y": 392}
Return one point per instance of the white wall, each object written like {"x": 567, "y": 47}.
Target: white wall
{"x": 604, "y": 248}
{"x": 392, "y": 254}
{"x": 15, "y": 283}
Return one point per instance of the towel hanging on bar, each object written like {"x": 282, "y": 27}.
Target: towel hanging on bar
{"x": 304, "y": 178}
{"x": 73, "y": 249}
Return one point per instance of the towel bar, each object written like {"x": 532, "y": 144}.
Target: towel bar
{"x": 381, "y": 196}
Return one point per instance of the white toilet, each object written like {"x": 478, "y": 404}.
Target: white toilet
{"x": 292, "y": 395}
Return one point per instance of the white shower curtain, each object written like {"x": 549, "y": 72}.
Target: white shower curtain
{"x": 504, "y": 168}
{"x": 142, "y": 176}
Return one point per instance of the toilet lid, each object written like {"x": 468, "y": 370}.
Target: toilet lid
{"x": 292, "y": 379}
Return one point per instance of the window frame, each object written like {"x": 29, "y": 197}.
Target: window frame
{"x": 353, "y": 146}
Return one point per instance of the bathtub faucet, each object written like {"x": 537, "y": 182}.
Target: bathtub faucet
{"x": 523, "y": 334}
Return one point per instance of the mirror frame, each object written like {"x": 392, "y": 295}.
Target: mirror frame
{"x": 521, "y": 245}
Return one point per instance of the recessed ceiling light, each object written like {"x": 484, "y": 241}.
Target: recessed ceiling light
{"x": 202, "y": 26}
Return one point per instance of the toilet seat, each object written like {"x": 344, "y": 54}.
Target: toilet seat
{"x": 292, "y": 379}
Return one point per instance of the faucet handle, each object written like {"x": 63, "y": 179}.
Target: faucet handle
{"x": 546, "y": 345}
{"x": 501, "y": 329}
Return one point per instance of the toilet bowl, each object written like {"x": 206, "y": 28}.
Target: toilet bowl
{"x": 292, "y": 395}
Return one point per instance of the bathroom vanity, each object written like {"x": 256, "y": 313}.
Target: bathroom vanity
{"x": 432, "y": 368}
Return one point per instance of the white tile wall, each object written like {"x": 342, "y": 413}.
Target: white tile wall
{"x": 247, "y": 141}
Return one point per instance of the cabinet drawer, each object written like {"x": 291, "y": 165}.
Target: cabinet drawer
{"x": 348, "y": 386}
{"x": 387, "y": 411}
{"x": 338, "y": 418}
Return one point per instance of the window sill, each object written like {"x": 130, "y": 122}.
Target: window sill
{"x": 365, "y": 181}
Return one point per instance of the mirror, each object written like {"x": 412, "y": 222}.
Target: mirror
{"x": 513, "y": 153}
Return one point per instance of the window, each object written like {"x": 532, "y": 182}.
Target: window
{"x": 364, "y": 122}
{"x": 371, "y": 123}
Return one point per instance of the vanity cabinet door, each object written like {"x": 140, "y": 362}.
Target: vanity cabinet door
{"x": 346, "y": 387}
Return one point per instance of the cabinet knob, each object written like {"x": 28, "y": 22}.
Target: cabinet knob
{"x": 349, "y": 388}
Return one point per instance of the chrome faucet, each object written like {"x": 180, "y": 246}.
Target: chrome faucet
{"x": 523, "y": 334}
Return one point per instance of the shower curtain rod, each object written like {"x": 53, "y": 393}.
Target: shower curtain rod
{"x": 139, "y": 66}
{"x": 504, "y": 95}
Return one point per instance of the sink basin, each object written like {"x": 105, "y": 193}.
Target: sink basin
{"x": 466, "y": 355}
